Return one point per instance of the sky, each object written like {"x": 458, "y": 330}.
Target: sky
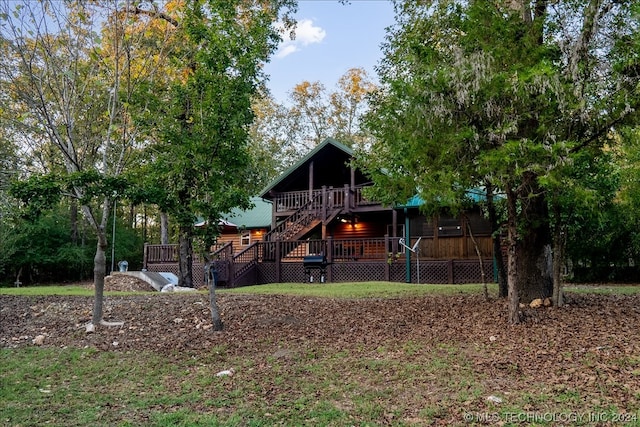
{"x": 330, "y": 39}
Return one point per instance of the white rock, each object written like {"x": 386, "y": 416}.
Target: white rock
{"x": 38, "y": 340}
{"x": 494, "y": 399}
{"x": 226, "y": 373}
{"x": 168, "y": 288}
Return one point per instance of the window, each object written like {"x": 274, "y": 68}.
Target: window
{"x": 245, "y": 239}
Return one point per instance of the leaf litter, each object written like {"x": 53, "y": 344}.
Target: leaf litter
{"x": 589, "y": 348}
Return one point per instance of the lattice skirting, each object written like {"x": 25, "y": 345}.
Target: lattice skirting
{"x": 449, "y": 271}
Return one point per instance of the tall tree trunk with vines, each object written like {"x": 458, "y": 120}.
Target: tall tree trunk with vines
{"x": 185, "y": 256}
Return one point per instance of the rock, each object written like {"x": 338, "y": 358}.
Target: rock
{"x": 38, "y": 340}
{"x": 536, "y": 303}
{"x": 547, "y": 302}
{"x": 226, "y": 373}
{"x": 493, "y": 338}
{"x": 494, "y": 399}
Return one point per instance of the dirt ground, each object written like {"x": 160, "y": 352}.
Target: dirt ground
{"x": 593, "y": 340}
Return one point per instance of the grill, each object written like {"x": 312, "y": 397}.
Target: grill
{"x": 315, "y": 264}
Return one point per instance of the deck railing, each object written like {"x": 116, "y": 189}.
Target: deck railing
{"x": 329, "y": 198}
{"x": 345, "y": 255}
{"x": 335, "y": 249}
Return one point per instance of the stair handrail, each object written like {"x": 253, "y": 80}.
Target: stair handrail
{"x": 251, "y": 260}
{"x": 223, "y": 252}
{"x": 301, "y": 216}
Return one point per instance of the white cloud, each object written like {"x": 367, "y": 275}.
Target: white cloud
{"x": 306, "y": 33}
{"x": 286, "y": 50}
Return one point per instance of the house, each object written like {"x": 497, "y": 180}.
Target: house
{"x": 318, "y": 208}
{"x": 251, "y": 225}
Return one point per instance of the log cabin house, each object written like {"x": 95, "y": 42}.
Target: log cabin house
{"x": 317, "y": 208}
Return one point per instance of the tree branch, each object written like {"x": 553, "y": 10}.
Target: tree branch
{"x": 153, "y": 14}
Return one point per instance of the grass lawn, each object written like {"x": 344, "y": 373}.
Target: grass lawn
{"x": 332, "y": 290}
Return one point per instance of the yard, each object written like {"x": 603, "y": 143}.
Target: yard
{"x": 429, "y": 358}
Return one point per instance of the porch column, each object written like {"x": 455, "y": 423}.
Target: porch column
{"x": 274, "y": 211}
{"x": 353, "y": 176}
{"x": 394, "y": 223}
{"x": 310, "y": 180}
{"x": 323, "y": 211}
{"x": 347, "y": 198}
{"x": 324, "y": 208}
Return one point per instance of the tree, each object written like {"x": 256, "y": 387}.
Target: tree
{"x": 280, "y": 133}
{"x": 9, "y": 166}
{"x": 273, "y": 139}
{"x": 318, "y": 114}
{"x": 348, "y": 105}
{"x": 200, "y": 151}
{"x": 69, "y": 88}
{"x": 502, "y": 93}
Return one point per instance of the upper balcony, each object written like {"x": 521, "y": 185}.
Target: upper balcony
{"x": 324, "y": 201}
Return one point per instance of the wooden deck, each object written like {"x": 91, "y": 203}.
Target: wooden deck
{"x": 378, "y": 259}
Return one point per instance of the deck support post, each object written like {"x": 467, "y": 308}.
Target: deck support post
{"x": 387, "y": 265}
{"x": 329, "y": 256}
{"x": 407, "y": 254}
{"x": 278, "y": 243}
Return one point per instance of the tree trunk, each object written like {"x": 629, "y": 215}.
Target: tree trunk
{"x": 218, "y": 325}
{"x": 73, "y": 216}
{"x": 185, "y": 257}
{"x": 512, "y": 259}
{"x": 535, "y": 278}
{"x": 164, "y": 228}
{"x": 558, "y": 258}
{"x": 99, "y": 271}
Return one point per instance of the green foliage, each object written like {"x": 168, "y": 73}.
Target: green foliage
{"x": 468, "y": 100}
{"x": 37, "y": 193}
{"x": 44, "y": 251}
{"x": 500, "y": 93}
{"x": 129, "y": 245}
{"x": 200, "y": 164}
{"x": 8, "y": 247}
{"x": 96, "y": 185}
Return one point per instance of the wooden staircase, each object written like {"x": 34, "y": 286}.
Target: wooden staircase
{"x": 301, "y": 222}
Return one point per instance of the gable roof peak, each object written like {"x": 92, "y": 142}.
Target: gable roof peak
{"x": 318, "y": 148}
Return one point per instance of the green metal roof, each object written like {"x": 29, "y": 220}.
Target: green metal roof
{"x": 303, "y": 160}
{"x": 476, "y": 195}
{"x": 257, "y": 217}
